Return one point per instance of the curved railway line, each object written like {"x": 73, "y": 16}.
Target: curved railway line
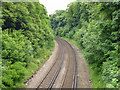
{"x": 70, "y": 77}
{"x": 74, "y": 83}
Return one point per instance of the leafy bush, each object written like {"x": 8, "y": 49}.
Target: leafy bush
{"x": 110, "y": 74}
{"x": 16, "y": 73}
{"x": 26, "y": 39}
{"x": 16, "y": 47}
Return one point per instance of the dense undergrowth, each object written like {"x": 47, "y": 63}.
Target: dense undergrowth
{"x": 26, "y": 41}
{"x": 96, "y": 28}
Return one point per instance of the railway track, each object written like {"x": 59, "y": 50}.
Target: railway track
{"x": 74, "y": 59}
{"x": 70, "y": 77}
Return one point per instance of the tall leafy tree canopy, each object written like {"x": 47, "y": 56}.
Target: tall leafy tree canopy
{"x": 26, "y": 36}
{"x": 96, "y": 27}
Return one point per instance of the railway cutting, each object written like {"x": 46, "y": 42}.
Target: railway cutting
{"x": 62, "y": 70}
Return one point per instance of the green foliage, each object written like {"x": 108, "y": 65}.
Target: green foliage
{"x": 58, "y": 21}
{"x": 26, "y": 39}
{"x": 15, "y": 73}
{"x": 110, "y": 74}
{"x": 96, "y": 27}
{"x": 16, "y": 47}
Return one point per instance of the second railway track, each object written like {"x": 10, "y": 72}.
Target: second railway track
{"x": 70, "y": 77}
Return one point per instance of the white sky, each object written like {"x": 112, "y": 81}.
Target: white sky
{"x": 53, "y": 5}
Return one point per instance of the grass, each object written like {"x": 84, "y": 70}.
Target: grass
{"x": 96, "y": 78}
{"x": 94, "y": 75}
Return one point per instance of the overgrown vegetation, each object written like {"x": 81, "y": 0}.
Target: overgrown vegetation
{"x": 96, "y": 27}
{"x": 26, "y": 41}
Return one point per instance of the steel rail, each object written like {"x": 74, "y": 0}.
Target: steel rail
{"x": 74, "y": 84}
{"x": 56, "y": 73}
{"x": 61, "y": 86}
